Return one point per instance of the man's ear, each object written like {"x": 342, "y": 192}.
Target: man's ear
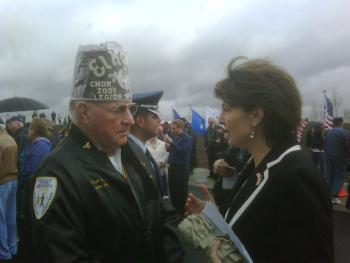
{"x": 83, "y": 112}
{"x": 140, "y": 121}
{"x": 257, "y": 116}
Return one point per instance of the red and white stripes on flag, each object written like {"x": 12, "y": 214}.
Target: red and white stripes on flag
{"x": 300, "y": 129}
{"x": 328, "y": 114}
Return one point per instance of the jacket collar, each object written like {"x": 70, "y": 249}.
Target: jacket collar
{"x": 81, "y": 139}
{"x": 274, "y": 157}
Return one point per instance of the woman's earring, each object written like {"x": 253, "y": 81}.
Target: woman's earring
{"x": 252, "y": 134}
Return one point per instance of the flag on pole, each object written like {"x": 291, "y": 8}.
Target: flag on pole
{"x": 176, "y": 115}
{"x": 211, "y": 113}
{"x": 300, "y": 129}
{"x": 198, "y": 123}
{"x": 328, "y": 114}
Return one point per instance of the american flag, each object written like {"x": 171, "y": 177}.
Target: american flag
{"x": 300, "y": 129}
{"x": 328, "y": 114}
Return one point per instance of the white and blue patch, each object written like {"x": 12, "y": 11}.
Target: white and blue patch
{"x": 44, "y": 193}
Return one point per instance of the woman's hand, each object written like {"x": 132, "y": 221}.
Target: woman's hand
{"x": 213, "y": 254}
{"x": 194, "y": 205}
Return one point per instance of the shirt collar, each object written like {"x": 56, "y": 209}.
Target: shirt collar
{"x": 140, "y": 143}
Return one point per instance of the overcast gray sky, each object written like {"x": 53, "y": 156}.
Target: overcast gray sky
{"x": 181, "y": 47}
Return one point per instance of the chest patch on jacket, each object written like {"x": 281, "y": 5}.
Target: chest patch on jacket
{"x": 44, "y": 192}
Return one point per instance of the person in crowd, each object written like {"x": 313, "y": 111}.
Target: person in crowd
{"x": 147, "y": 126}
{"x": 218, "y": 145}
{"x": 336, "y": 149}
{"x": 208, "y": 138}
{"x": 8, "y": 187}
{"x": 189, "y": 131}
{"x": 229, "y": 167}
{"x": 53, "y": 118}
{"x": 19, "y": 132}
{"x": 179, "y": 148}
{"x": 194, "y": 161}
{"x": 157, "y": 149}
{"x": 59, "y": 118}
{"x": 34, "y": 115}
{"x": 279, "y": 207}
{"x": 166, "y": 129}
{"x": 315, "y": 142}
{"x": 42, "y": 115}
{"x": 39, "y": 147}
{"x": 93, "y": 199}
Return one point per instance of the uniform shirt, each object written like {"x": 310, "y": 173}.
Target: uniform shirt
{"x": 159, "y": 153}
{"x": 116, "y": 160}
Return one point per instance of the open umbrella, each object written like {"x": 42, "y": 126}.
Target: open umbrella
{"x": 20, "y": 104}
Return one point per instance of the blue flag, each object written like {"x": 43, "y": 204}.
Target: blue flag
{"x": 198, "y": 123}
{"x": 176, "y": 116}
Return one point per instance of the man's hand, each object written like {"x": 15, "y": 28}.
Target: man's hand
{"x": 168, "y": 140}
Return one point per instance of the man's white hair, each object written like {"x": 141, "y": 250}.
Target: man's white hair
{"x": 72, "y": 105}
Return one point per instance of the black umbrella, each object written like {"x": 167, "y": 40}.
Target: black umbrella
{"x": 20, "y": 104}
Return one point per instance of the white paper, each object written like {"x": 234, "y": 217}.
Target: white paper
{"x": 214, "y": 218}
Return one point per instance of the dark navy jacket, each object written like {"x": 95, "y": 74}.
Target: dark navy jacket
{"x": 180, "y": 149}
{"x": 32, "y": 156}
{"x": 336, "y": 143}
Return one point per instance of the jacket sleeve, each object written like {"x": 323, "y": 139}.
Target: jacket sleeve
{"x": 35, "y": 155}
{"x": 59, "y": 234}
{"x": 313, "y": 223}
{"x": 173, "y": 249}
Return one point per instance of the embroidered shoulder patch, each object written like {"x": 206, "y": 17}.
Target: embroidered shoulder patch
{"x": 44, "y": 192}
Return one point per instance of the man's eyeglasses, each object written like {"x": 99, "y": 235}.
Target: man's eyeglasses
{"x": 122, "y": 110}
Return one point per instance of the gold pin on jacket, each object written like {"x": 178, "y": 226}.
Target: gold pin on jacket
{"x": 87, "y": 146}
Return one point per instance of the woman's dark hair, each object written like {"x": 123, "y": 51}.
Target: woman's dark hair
{"x": 260, "y": 84}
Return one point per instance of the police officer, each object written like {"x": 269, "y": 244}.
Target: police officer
{"x": 147, "y": 126}
{"x": 94, "y": 199}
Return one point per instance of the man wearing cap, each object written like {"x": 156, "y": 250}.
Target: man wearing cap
{"x": 94, "y": 199}
{"x": 146, "y": 126}
{"x": 8, "y": 187}
{"x": 18, "y": 132}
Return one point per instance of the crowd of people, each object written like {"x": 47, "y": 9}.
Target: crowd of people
{"x": 330, "y": 153}
{"x": 114, "y": 185}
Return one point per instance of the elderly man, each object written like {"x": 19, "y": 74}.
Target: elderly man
{"x": 8, "y": 186}
{"x": 94, "y": 200}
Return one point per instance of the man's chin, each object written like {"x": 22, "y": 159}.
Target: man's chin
{"x": 122, "y": 141}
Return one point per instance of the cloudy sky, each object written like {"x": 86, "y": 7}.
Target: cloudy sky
{"x": 181, "y": 47}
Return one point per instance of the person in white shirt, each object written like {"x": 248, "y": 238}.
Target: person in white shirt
{"x": 158, "y": 151}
